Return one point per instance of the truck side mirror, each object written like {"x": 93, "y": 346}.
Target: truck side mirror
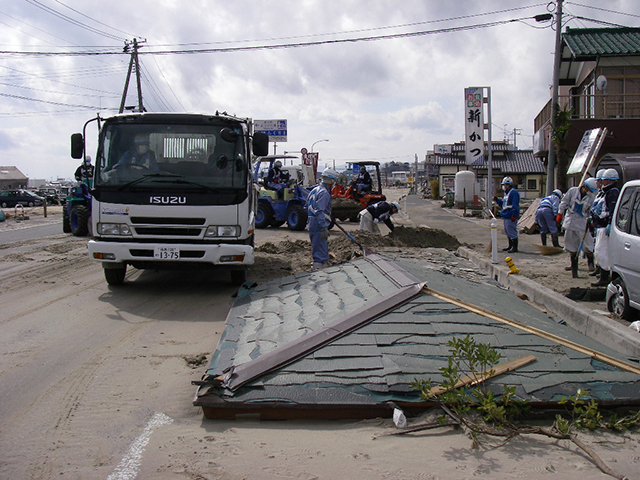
{"x": 77, "y": 146}
{"x": 260, "y": 144}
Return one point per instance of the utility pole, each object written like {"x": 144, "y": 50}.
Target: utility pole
{"x": 551, "y": 161}
{"x": 133, "y": 62}
{"x": 516, "y": 131}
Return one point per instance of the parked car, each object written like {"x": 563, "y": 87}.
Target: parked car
{"x": 623, "y": 292}
{"x": 51, "y": 194}
{"x": 10, "y": 198}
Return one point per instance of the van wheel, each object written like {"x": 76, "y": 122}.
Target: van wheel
{"x": 619, "y": 302}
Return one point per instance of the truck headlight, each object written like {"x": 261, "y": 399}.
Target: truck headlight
{"x": 222, "y": 231}
{"x": 120, "y": 229}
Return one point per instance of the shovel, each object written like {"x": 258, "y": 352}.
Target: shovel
{"x": 365, "y": 250}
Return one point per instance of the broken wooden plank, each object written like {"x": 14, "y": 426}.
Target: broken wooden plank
{"x": 482, "y": 376}
{"x": 603, "y": 357}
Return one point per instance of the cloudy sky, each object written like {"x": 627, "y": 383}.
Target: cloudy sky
{"x": 382, "y": 79}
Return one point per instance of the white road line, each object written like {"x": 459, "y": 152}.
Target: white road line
{"x": 128, "y": 467}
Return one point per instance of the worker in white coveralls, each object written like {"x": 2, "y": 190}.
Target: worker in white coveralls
{"x": 319, "y": 212}
{"x": 576, "y": 204}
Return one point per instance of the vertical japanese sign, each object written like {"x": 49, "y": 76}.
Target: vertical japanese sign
{"x": 474, "y": 124}
{"x": 310, "y": 158}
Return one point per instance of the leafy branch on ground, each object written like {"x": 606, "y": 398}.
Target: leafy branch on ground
{"x": 469, "y": 401}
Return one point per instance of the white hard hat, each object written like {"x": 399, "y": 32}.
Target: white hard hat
{"x": 600, "y": 173}
{"x": 610, "y": 174}
{"x": 330, "y": 174}
{"x": 558, "y": 192}
{"x": 591, "y": 184}
{"x": 396, "y": 206}
{"x": 507, "y": 181}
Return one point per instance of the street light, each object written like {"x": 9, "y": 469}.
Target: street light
{"x": 312, "y": 145}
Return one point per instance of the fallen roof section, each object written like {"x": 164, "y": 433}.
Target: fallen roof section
{"x": 348, "y": 341}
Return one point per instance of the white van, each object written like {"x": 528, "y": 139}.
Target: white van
{"x": 623, "y": 292}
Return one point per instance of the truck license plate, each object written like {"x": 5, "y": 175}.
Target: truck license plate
{"x": 166, "y": 253}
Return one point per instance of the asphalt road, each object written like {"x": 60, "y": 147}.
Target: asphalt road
{"x": 29, "y": 232}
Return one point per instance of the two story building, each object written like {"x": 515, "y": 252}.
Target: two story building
{"x": 599, "y": 81}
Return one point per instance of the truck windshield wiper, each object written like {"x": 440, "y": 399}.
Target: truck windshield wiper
{"x": 147, "y": 176}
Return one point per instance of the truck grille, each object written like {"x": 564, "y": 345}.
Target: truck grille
{"x": 169, "y": 231}
{"x": 166, "y": 221}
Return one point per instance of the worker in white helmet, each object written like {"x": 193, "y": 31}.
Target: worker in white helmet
{"x": 319, "y": 212}
{"x": 574, "y": 211}
{"x": 510, "y": 212}
{"x": 601, "y": 216}
{"x": 277, "y": 179}
{"x": 597, "y": 206}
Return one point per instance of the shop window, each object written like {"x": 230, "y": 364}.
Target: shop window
{"x": 532, "y": 184}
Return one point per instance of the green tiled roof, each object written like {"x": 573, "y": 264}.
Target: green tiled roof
{"x": 594, "y": 42}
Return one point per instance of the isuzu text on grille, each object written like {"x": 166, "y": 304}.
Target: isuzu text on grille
{"x": 168, "y": 200}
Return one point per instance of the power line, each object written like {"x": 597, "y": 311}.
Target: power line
{"x": 77, "y": 23}
{"x": 273, "y": 47}
{"x": 19, "y": 97}
{"x": 94, "y": 20}
{"x": 56, "y": 81}
{"x": 388, "y": 27}
{"x": 604, "y": 9}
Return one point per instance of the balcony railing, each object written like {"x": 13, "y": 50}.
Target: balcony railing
{"x": 593, "y": 107}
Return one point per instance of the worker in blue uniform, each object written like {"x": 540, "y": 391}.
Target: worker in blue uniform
{"x": 510, "y": 212}
{"x": 319, "y": 212}
{"x": 546, "y": 214}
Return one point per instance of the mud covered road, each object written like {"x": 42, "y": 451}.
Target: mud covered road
{"x": 85, "y": 368}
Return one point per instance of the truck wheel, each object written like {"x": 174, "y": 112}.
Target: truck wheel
{"x": 296, "y": 217}
{"x": 238, "y": 277}
{"x": 115, "y": 276}
{"x": 66, "y": 223}
{"x": 264, "y": 215}
{"x": 79, "y": 219}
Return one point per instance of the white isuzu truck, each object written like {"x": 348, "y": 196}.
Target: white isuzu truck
{"x": 172, "y": 190}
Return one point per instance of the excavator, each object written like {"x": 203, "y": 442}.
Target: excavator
{"x": 348, "y": 201}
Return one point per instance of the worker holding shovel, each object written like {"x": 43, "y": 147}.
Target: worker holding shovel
{"x": 319, "y": 211}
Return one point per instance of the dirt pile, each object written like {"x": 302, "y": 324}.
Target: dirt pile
{"x": 294, "y": 256}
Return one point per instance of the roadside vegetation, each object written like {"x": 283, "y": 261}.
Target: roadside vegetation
{"x": 469, "y": 403}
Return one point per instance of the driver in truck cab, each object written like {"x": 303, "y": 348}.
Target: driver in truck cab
{"x": 140, "y": 156}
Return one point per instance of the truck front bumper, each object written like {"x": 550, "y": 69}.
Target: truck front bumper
{"x": 118, "y": 253}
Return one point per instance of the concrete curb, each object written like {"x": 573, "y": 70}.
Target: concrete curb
{"x": 584, "y": 320}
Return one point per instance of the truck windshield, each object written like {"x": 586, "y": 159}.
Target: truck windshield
{"x": 187, "y": 156}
